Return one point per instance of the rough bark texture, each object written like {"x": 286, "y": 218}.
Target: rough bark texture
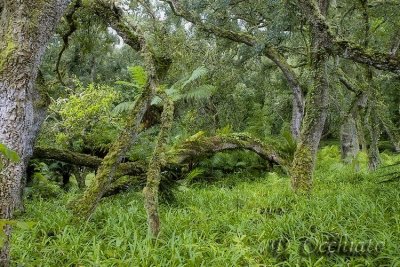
{"x": 157, "y": 161}
{"x": 316, "y": 110}
{"x": 114, "y": 15}
{"x": 25, "y": 29}
{"x": 371, "y": 118}
{"x": 195, "y": 148}
{"x": 294, "y": 84}
{"x": 374, "y": 132}
{"x": 349, "y": 140}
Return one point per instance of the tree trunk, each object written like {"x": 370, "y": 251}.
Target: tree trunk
{"x": 349, "y": 140}
{"x": 25, "y": 29}
{"x": 373, "y": 125}
{"x": 316, "y": 111}
{"x": 294, "y": 84}
{"x": 157, "y": 161}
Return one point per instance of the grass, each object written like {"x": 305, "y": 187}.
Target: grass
{"x": 235, "y": 221}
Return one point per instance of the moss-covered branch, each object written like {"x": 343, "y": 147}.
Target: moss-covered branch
{"x": 126, "y": 168}
{"x": 200, "y": 146}
{"x": 344, "y": 48}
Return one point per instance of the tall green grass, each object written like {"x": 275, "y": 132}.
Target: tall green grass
{"x": 230, "y": 222}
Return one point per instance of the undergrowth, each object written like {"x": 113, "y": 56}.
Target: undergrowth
{"x": 237, "y": 221}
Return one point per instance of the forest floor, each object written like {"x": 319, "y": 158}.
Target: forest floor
{"x": 350, "y": 219}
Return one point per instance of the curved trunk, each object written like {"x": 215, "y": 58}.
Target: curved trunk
{"x": 25, "y": 28}
{"x": 294, "y": 84}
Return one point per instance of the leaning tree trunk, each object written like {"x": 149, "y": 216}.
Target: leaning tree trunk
{"x": 316, "y": 111}
{"x": 157, "y": 161}
{"x": 25, "y": 29}
{"x": 297, "y": 90}
{"x": 84, "y": 206}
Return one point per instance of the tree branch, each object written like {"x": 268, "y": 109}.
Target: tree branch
{"x": 337, "y": 46}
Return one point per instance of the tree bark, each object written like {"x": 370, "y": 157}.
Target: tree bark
{"x": 157, "y": 161}
{"x": 316, "y": 111}
{"x": 336, "y": 46}
{"x": 349, "y": 140}
{"x": 25, "y": 29}
{"x": 114, "y": 15}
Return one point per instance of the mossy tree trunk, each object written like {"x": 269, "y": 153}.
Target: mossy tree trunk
{"x": 297, "y": 90}
{"x": 371, "y": 119}
{"x": 157, "y": 161}
{"x": 316, "y": 110}
{"x": 25, "y": 29}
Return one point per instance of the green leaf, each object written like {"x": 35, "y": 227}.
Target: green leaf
{"x": 9, "y": 154}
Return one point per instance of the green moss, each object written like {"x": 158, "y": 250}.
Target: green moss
{"x": 7, "y": 51}
{"x": 302, "y": 169}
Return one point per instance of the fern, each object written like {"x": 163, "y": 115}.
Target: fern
{"x": 195, "y": 173}
{"x": 128, "y": 84}
{"x": 196, "y": 74}
{"x": 200, "y": 93}
{"x": 176, "y": 91}
{"x": 138, "y": 75}
{"x": 123, "y": 107}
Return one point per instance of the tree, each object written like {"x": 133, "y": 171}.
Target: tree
{"x": 25, "y": 29}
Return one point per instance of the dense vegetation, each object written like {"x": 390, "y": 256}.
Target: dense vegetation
{"x": 199, "y": 133}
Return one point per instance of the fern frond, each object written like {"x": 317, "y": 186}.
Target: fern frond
{"x": 200, "y": 93}
{"x": 139, "y": 75}
{"x": 122, "y": 107}
{"x": 196, "y": 74}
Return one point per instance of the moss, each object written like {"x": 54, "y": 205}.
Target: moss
{"x": 7, "y": 51}
{"x": 302, "y": 169}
